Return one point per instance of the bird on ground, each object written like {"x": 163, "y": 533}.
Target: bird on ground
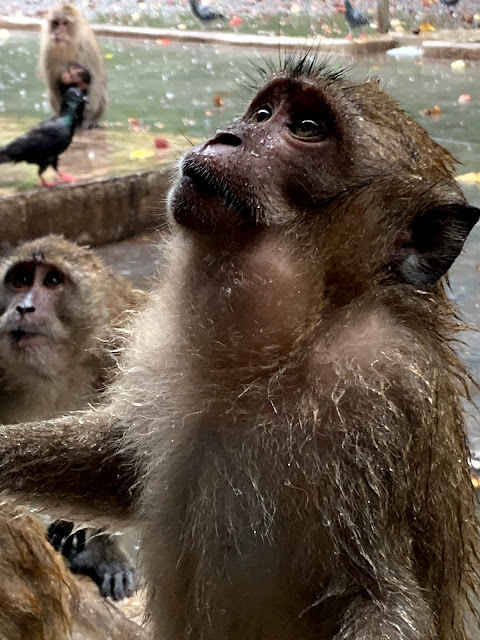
{"x": 450, "y": 4}
{"x": 354, "y": 18}
{"x": 205, "y": 14}
{"x": 44, "y": 143}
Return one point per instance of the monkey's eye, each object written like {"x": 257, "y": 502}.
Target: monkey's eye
{"x": 53, "y": 278}
{"x": 20, "y": 277}
{"x": 308, "y": 129}
{"x": 262, "y": 114}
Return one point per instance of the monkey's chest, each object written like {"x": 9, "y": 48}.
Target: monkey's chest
{"x": 243, "y": 551}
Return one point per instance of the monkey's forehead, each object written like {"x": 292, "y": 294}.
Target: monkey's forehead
{"x": 55, "y": 250}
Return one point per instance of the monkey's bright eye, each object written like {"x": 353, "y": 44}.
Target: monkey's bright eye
{"x": 53, "y": 278}
{"x": 262, "y": 114}
{"x": 308, "y": 129}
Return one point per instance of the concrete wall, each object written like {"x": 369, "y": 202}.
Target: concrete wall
{"x": 96, "y": 212}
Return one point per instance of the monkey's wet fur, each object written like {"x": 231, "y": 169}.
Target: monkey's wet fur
{"x": 287, "y": 424}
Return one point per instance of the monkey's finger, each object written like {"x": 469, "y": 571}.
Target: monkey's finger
{"x": 107, "y": 587}
{"x": 118, "y": 587}
{"x": 130, "y": 582}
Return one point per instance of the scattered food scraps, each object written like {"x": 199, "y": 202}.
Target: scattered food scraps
{"x": 464, "y": 98}
{"x": 163, "y": 41}
{"x": 434, "y": 111}
{"x": 161, "y": 143}
{"x": 458, "y": 65}
{"x": 470, "y": 178}
{"x": 235, "y": 21}
{"x": 426, "y": 26}
{"x": 141, "y": 154}
{"x": 217, "y": 101}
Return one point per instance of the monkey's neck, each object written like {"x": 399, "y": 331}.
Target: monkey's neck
{"x": 253, "y": 299}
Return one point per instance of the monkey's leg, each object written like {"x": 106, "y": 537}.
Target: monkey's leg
{"x": 96, "y": 554}
{"x": 71, "y": 465}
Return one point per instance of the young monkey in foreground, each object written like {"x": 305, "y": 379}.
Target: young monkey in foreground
{"x": 287, "y": 423}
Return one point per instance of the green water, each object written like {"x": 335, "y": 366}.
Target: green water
{"x": 173, "y": 88}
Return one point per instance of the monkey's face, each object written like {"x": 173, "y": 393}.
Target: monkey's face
{"x": 339, "y": 163}
{"x": 61, "y": 29}
{"x": 32, "y": 330}
{"x": 259, "y": 170}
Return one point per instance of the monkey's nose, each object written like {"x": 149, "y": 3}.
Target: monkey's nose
{"x": 225, "y": 137}
{"x": 23, "y": 310}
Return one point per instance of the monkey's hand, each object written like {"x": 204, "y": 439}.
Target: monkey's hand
{"x": 102, "y": 559}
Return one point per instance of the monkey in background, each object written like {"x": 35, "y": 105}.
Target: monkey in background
{"x": 58, "y": 306}
{"x": 286, "y": 424}
{"x": 66, "y": 37}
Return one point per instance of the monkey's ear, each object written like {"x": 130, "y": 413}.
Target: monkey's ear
{"x": 436, "y": 239}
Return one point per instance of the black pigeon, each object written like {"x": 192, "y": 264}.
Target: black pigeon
{"x": 449, "y": 3}
{"x": 205, "y": 14}
{"x": 354, "y": 18}
{"x": 44, "y": 143}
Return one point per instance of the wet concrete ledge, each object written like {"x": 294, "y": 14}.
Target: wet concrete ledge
{"x": 461, "y": 43}
{"x": 95, "y": 212}
{"x": 378, "y": 44}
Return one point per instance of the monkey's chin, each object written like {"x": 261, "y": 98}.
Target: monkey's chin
{"x": 201, "y": 211}
{"x": 201, "y": 202}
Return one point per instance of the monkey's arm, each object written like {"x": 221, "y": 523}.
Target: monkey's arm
{"x": 72, "y": 465}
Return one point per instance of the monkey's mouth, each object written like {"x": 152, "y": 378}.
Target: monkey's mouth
{"x": 202, "y": 199}
{"x": 23, "y": 337}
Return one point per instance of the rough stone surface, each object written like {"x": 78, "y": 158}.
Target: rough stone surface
{"x": 95, "y": 213}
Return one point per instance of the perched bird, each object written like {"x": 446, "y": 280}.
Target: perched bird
{"x": 205, "y": 14}
{"x": 354, "y": 18}
{"x": 44, "y": 143}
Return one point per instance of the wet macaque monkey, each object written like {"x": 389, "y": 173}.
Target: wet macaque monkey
{"x": 67, "y": 37}
{"x": 58, "y": 304}
{"x": 287, "y": 423}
